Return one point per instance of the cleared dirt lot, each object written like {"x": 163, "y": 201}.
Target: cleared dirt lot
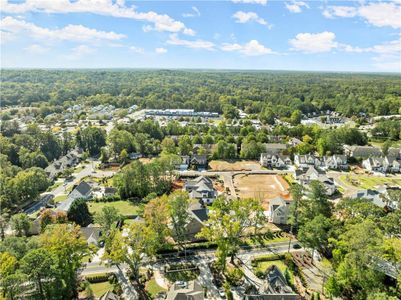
{"x": 261, "y": 186}
{"x": 223, "y": 165}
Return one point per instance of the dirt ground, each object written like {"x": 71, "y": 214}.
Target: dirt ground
{"x": 222, "y": 165}
{"x": 261, "y": 186}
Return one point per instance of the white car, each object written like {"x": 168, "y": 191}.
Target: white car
{"x": 222, "y": 293}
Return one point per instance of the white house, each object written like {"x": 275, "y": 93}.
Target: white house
{"x": 305, "y": 178}
{"x": 305, "y": 161}
{"x": 275, "y": 161}
{"x": 336, "y": 162}
{"x": 278, "y": 211}
{"x": 201, "y": 188}
{"x": 382, "y": 164}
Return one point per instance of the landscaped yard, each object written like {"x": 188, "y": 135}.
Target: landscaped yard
{"x": 125, "y": 208}
{"x": 182, "y": 272}
{"x": 223, "y": 165}
{"x": 100, "y": 288}
{"x": 261, "y": 267}
{"x": 153, "y": 288}
{"x": 368, "y": 181}
{"x": 60, "y": 198}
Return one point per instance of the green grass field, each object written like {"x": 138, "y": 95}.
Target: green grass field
{"x": 60, "y": 198}
{"x": 125, "y": 208}
{"x": 100, "y": 288}
{"x": 263, "y": 265}
{"x": 367, "y": 181}
{"x": 153, "y": 288}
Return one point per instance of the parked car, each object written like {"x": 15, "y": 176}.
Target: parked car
{"x": 296, "y": 246}
{"x": 222, "y": 293}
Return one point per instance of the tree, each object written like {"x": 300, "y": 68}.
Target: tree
{"x": 104, "y": 155}
{"x": 21, "y": 224}
{"x": 124, "y": 156}
{"x": 66, "y": 244}
{"x": 92, "y": 139}
{"x": 168, "y": 146}
{"x": 296, "y": 117}
{"x": 107, "y": 217}
{"x": 178, "y": 204}
{"x": 130, "y": 248}
{"x": 13, "y": 285}
{"x": 228, "y": 221}
{"x": 118, "y": 140}
{"x": 297, "y": 194}
{"x": 49, "y": 216}
{"x": 38, "y": 265}
{"x": 185, "y": 145}
{"x": 79, "y": 212}
{"x": 315, "y": 233}
{"x": 156, "y": 214}
{"x": 8, "y": 264}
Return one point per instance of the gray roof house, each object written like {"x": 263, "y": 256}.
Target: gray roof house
{"x": 109, "y": 296}
{"x": 305, "y": 178}
{"x": 278, "y": 210}
{"x": 275, "y": 287}
{"x": 191, "y": 290}
{"x": 201, "y": 188}
{"x": 384, "y": 164}
{"x": 198, "y": 161}
{"x": 91, "y": 234}
{"x": 82, "y": 190}
{"x": 304, "y": 161}
{"x": 376, "y": 197}
{"x": 362, "y": 151}
{"x": 71, "y": 159}
{"x": 336, "y": 162}
{"x": 275, "y": 160}
{"x": 198, "y": 216}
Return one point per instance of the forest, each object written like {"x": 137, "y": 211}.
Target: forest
{"x": 218, "y": 91}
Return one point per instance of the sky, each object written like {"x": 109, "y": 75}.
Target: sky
{"x": 356, "y": 36}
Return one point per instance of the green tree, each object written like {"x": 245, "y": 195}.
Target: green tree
{"x": 185, "y": 145}
{"x": 107, "y": 217}
{"x": 315, "y": 233}
{"x": 67, "y": 246}
{"x": 79, "y": 212}
{"x": 168, "y": 146}
{"x": 156, "y": 214}
{"x": 124, "y": 156}
{"x": 21, "y": 224}
{"x": 178, "y": 204}
{"x": 296, "y": 117}
{"x": 92, "y": 139}
{"x": 38, "y": 265}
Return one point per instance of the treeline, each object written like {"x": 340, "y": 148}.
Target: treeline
{"x": 279, "y": 93}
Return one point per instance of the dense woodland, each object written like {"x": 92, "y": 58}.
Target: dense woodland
{"x": 216, "y": 91}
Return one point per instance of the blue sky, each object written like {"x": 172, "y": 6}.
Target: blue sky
{"x": 235, "y": 34}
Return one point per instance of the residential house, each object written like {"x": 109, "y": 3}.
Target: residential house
{"x": 336, "y": 162}
{"x": 362, "y": 151}
{"x": 82, "y": 190}
{"x": 198, "y": 216}
{"x": 278, "y": 210}
{"x": 134, "y": 156}
{"x": 377, "y": 197}
{"x": 274, "y": 148}
{"x": 384, "y": 164}
{"x": 91, "y": 234}
{"x": 275, "y": 160}
{"x": 294, "y": 142}
{"x": 109, "y": 296}
{"x": 275, "y": 287}
{"x": 305, "y": 178}
{"x": 70, "y": 160}
{"x": 198, "y": 162}
{"x": 305, "y": 161}
{"x": 190, "y": 290}
{"x": 201, "y": 188}
{"x": 184, "y": 164}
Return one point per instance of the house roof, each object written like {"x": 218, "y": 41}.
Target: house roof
{"x": 201, "y": 214}
{"x": 91, "y": 233}
{"x": 109, "y": 296}
{"x": 83, "y": 188}
{"x": 192, "y": 288}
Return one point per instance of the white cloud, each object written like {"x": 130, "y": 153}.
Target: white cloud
{"x": 195, "y": 13}
{"x": 137, "y": 49}
{"x": 196, "y": 44}
{"x": 262, "y": 2}
{"x": 160, "y": 22}
{"x": 70, "y": 32}
{"x": 36, "y": 49}
{"x": 296, "y": 6}
{"x": 161, "y": 50}
{"x": 80, "y": 51}
{"x": 314, "y": 42}
{"x": 379, "y": 14}
{"x": 252, "y": 48}
{"x": 245, "y": 17}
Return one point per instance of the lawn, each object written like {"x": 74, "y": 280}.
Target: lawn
{"x": 60, "y": 198}
{"x": 263, "y": 265}
{"x": 223, "y": 165}
{"x": 369, "y": 181}
{"x": 153, "y": 288}
{"x": 100, "y": 288}
{"x": 125, "y": 208}
{"x": 55, "y": 185}
{"x": 182, "y": 273}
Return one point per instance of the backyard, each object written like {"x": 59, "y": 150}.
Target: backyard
{"x": 100, "y": 288}
{"x": 243, "y": 165}
{"x": 153, "y": 288}
{"x": 368, "y": 181}
{"x": 125, "y": 208}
